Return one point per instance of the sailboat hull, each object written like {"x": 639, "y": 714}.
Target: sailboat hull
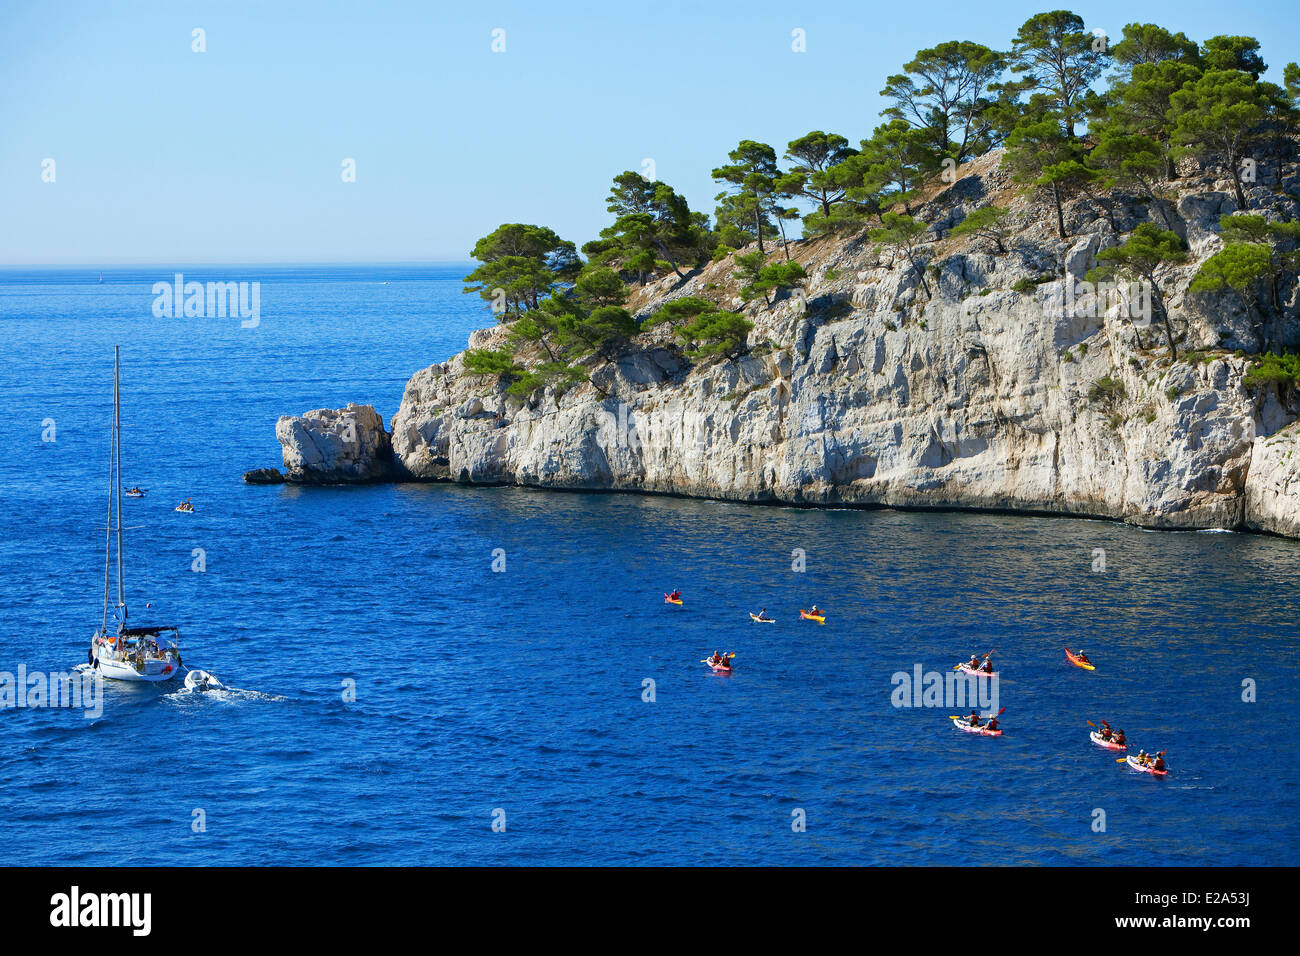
{"x": 155, "y": 671}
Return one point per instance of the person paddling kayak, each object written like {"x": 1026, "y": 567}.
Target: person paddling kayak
{"x": 675, "y": 596}
{"x": 762, "y": 614}
{"x": 987, "y": 666}
{"x": 992, "y": 724}
{"x": 973, "y": 719}
{"x": 1083, "y": 658}
{"x": 1120, "y": 739}
{"x": 1106, "y": 734}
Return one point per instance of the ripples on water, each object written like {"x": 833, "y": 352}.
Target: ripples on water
{"x": 522, "y": 691}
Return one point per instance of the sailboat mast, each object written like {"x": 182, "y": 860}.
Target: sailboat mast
{"x": 108, "y": 523}
{"x": 117, "y": 463}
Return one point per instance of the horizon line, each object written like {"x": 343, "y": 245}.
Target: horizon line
{"x": 272, "y": 263}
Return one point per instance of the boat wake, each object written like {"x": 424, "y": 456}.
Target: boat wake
{"x": 204, "y": 685}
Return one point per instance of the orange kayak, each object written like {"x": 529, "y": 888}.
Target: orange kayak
{"x": 1077, "y": 661}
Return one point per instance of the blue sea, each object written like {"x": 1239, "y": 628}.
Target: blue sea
{"x": 392, "y": 697}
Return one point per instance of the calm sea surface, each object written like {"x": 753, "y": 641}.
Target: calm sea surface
{"x": 518, "y": 696}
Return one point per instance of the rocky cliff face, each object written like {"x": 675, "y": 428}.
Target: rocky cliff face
{"x": 940, "y": 386}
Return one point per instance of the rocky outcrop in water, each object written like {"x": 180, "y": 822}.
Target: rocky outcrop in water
{"x": 264, "y": 476}
{"x": 977, "y": 381}
{"x": 330, "y": 447}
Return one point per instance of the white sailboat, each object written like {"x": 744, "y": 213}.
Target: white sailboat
{"x": 119, "y": 651}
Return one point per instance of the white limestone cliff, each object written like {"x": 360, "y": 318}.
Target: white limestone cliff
{"x": 973, "y": 395}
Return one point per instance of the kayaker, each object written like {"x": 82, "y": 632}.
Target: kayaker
{"x": 762, "y": 614}
{"x": 1119, "y": 738}
{"x": 1083, "y": 657}
{"x": 716, "y": 658}
{"x": 1142, "y": 757}
{"x": 987, "y": 666}
{"x": 974, "y": 718}
{"x": 974, "y": 662}
{"x": 675, "y": 596}
{"x": 1105, "y": 731}
{"x": 1159, "y": 762}
{"x": 992, "y": 724}
{"x": 816, "y": 611}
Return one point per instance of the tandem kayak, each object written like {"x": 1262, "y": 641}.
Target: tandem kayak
{"x": 672, "y": 600}
{"x": 819, "y": 618}
{"x": 720, "y": 668}
{"x": 1133, "y": 762}
{"x": 967, "y": 669}
{"x": 1074, "y": 659}
{"x": 983, "y": 731}
{"x": 1108, "y": 744}
{"x": 761, "y": 620}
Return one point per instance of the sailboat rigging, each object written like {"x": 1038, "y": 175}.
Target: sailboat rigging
{"x": 119, "y": 651}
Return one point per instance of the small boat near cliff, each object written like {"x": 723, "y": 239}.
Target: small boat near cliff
{"x": 118, "y": 650}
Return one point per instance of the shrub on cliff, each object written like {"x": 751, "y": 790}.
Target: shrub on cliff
{"x": 1029, "y": 283}
{"x": 606, "y": 329}
{"x": 559, "y": 375}
{"x": 498, "y": 362}
{"x": 716, "y": 333}
{"x": 780, "y": 275}
{"x": 1107, "y": 390}
{"x": 1239, "y": 266}
{"x": 1273, "y": 369}
{"x": 599, "y": 286}
{"x": 707, "y": 330}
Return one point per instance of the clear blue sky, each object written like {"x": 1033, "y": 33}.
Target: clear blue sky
{"x": 164, "y": 155}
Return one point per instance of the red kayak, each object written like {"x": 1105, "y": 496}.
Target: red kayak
{"x": 962, "y": 724}
{"x": 1108, "y": 744}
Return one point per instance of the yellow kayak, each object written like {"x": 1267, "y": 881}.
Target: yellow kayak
{"x": 819, "y": 618}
